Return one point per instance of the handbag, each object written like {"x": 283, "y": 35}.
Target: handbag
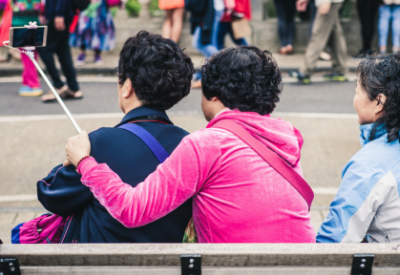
{"x": 3, "y": 4}
{"x": 47, "y": 228}
{"x": 241, "y": 28}
{"x": 113, "y": 3}
{"x": 270, "y": 157}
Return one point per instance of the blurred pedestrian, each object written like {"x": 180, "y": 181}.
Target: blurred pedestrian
{"x": 312, "y": 9}
{"x": 389, "y": 12}
{"x": 5, "y": 24}
{"x": 25, "y": 11}
{"x": 205, "y": 19}
{"x": 235, "y": 10}
{"x": 174, "y": 10}
{"x": 95, "y": 31}
{"x": 367, "y": 10}
{"x": 286, "y": 10}
{"x": 326, "y": 31}
{"x": 59, "y": 15}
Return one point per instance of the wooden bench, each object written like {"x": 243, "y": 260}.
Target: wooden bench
{"x": 216, "y": 259}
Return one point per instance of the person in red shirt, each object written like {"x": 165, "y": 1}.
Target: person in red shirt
{"x": 234, "y": 10}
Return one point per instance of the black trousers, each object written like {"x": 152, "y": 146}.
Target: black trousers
{"x": 286, "y": 10}
{"x": 58, "y": 43}
{"x": 367, "y": 10}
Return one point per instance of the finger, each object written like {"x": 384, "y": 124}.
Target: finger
{"x": 66, "y": 163}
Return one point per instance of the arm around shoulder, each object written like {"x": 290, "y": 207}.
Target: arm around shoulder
{"x": 176, "y": 180}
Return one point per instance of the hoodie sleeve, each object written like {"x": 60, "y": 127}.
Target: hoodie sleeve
{"x": 361, "y": 192}
{"x": 176, "y": 180}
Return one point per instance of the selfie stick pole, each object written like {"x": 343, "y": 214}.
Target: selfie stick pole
{"x": 29, "y": 52}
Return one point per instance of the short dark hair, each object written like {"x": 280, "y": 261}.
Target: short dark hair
{"x": 381, "y": 75}
{"x": 159, "y": 70}
{"x": 244, "y": 78}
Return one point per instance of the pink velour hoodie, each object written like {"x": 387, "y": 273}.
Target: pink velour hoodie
{"x": 237, "y": 196}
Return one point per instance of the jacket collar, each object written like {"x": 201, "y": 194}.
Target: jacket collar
{"x": 142, "y": 111}
{"x": 366, "y": 132}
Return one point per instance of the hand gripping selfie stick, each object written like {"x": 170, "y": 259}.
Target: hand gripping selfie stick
{"x": 29, "y": 51}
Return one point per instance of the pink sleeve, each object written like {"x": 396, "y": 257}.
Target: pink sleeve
{"x": 179, "y": 178}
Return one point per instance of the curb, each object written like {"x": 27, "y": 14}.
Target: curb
{"x": 111, "y": 71}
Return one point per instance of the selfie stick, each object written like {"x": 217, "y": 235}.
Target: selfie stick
{"x": 29, "y": 51}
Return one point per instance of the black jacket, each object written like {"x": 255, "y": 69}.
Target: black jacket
{"x": 202, "y": 14}
{"x": 62, "y": 192}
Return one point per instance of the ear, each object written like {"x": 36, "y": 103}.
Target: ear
{"x": 127, "y": 89}
{"x": 215, "y": 99}
{"x": 381, "y": 100}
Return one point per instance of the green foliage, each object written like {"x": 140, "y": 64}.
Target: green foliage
{"x": 347, "y": 9}
{"x": 269, "y": 9}
{"x": 114, "y": 11}
{"x": 133, "y": 8}
{"x": 154, "y": 10}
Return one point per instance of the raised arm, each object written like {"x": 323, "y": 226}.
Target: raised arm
{"x": 179, "y": 178}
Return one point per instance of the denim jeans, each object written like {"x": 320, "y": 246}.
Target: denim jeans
{"x": 210, "y": 49}
{"x": 286, "y": 10}
{"x": 224, "y": 29}
{"x": 389, "y": 13}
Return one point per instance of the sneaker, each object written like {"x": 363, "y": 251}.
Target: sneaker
{"x": 363, "y": 54}
{"x": 81, "y": 59}
{"x": 98, "y": 60}
{"x": 336, "y": 77}
{"x": 301, "y": 77}
{"x": 28, "y": 91}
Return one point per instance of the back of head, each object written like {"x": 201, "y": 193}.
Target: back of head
{"x": 243, "y": 78}
{"x": 159, "y": 70}
{"x": 381, "y": 75}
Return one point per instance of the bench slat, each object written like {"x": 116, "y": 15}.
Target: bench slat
{"x": 212, "y": 254}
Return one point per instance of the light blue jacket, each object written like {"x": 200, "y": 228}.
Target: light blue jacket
{"x": 368, "y": 202}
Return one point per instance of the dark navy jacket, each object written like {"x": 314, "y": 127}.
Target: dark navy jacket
{"x": 61, "y": 8}
{"x": 62, "y": 192}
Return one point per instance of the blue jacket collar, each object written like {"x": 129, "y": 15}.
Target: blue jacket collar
{"x": 143, "y": 111}
{"x": 366, "y": 132}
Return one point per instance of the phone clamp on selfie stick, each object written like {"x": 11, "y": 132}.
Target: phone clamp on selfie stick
{"x": 29, "y": 51}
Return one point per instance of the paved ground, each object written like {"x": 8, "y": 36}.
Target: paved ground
{"x": 100, "y": 97}
{"x": 33, "y": 135}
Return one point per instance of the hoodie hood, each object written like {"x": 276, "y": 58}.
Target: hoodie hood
{"x": 277, "y": 134}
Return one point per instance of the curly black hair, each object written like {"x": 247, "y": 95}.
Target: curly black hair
{"x": 381, "y": 75}
{"x": 160, "y": 72}
{"x": 244, "y": 78}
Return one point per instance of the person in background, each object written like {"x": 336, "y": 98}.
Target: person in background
{"x": 205, "y": 19}
{"x": 174, "y": 9}
{"x": 389, "y": 12}
{"x": 25, "y": 11}
{"x": 59, "y": 15}
{"x": 367, "y": 10}
{"x": 367, "y": 205}
{"x": 95, "y": 31}
{"x": 312, "y": 12}
{"x": 153, "y": 75}
{"x": 5, "y": 24}
{"x": 286, "y": 10}
{"x": 235, "y": 10}
{"x": 237, "y": 196}
{"x": 327, "y": 30}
